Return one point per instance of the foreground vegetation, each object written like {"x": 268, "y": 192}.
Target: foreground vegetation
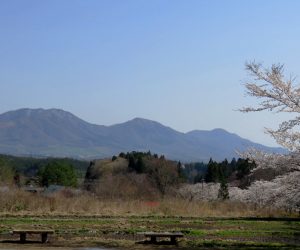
{"x": 82, "y": 220}
{"x": 67, "y": 202}
{"x": 122, "y": 231}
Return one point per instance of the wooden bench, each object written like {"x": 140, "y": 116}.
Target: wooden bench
{"x": 24, "y": 232}
{"x": 154, "y": 235}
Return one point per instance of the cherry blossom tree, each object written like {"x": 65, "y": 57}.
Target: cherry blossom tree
{"x": 282, "y": 192}
{"x": 280, "y": 94}
{"x": 277, "y": 93}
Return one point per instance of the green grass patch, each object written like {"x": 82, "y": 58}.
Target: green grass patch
{"x": 242, "y": 233}
{"x": 168, "y": 221}
{"x": 194, "y": 232}
{"x": 229, "y": 244}
{"x": 280, "y": 226}
{"x": 197, "y": 222}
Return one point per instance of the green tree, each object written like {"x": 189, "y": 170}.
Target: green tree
{"x": 58, "y": 172}
{"x": 198, "y": 178}
{"x": 6, "y": 172}
{"x": 222, "y": 170}
{"x": 131, "y": 162}
{"x": 244, "y": 167}
{"x": 122, "y": 154}
{"x": 140, "y": 165}
{"x": 180, "y": 171}
{"x": 223, "y": 193}
{"x": 212, "y": 174}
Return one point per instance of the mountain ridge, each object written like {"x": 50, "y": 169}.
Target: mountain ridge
{"x": 55, "y": 132}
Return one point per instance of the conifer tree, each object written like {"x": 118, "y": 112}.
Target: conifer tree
{"x": 223, "y": 193}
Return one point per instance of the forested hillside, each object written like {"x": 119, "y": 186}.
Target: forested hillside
{"x": 30, "y": 167}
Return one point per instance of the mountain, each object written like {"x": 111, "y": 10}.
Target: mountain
{"x": 54, "y": 132}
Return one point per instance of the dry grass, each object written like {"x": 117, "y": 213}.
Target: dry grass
{"x": 19, "y": 202}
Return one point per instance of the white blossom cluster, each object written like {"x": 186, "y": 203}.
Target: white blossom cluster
{"x": 281, "y": 162}
{"x": 200, "y": 191}
{"x": 282, "y": 192}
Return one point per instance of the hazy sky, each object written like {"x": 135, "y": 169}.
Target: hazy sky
{"x": 177, "y": 62}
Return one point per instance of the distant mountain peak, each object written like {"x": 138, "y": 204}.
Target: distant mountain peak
{"x": 55, "y": 132}
{"x": 139, "y": 119}
{"x": 32, "y": 111}
{"x": 143, "y": 121}
{"x": 219, "y": 130}
{"x": 39, "y": 112}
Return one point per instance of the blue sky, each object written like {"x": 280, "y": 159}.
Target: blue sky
{"x": 177, "y": 62}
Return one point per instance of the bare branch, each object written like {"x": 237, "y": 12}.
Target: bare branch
{"x": 278, "y": 95}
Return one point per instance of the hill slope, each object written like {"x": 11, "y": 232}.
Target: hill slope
{"x": 55, "y": 132}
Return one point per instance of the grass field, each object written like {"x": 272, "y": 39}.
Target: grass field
{"x": 200, "y": 233}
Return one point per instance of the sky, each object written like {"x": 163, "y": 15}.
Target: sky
{"x": 181, "y": 63}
